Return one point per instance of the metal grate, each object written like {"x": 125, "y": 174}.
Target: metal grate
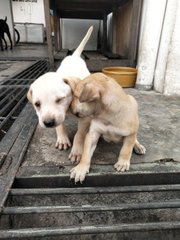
{"x": 13, "y": 93}
{"x": 129, "y": 212}
{"x": 17, "y": 123}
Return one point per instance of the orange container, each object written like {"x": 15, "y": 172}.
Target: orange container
{"x": 125, "y": 76}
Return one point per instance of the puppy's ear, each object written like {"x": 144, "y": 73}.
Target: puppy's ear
{"x": 89, "y": 93}
{"x": 71, "y": 81}
{"x": 29, "y": 95}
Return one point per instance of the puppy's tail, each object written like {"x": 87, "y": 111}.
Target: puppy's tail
{"x": 81, "y": 46}
{"x": 5, "y": 19}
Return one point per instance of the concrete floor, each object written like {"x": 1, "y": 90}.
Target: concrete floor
{"x": 25, "y": 52}
{"x": 159, "y": 124}
{"x": 159, "y": 133}
{"x": 8, "y": 68}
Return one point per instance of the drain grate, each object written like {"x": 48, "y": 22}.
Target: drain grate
{"x": 13, "y": 93}
{"x": 111, "y": 212}
{"x": 17, "y": 123}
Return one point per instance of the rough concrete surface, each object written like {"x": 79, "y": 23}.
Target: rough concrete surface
{"x": 158, "y": 132}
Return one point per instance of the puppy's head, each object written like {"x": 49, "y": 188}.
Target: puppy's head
{"x": 51, "y": 97}
{"x": 87, "y": 95}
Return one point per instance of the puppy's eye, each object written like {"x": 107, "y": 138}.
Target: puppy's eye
{"x": 58, "y": 100}
{"x": 37, "y": 104}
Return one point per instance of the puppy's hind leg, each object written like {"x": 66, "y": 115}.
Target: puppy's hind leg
{"x": 138, "y": 148}
{"x": 63, "y": 142}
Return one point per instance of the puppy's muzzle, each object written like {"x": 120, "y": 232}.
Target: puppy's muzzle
{"x": 49, "y": 123}
{"x": 77, "y": 114}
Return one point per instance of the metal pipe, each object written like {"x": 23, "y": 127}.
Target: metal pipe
{"x": 116, "y": 228}
{"x": 91, "y": 208}
{"x": 93, "y": 190}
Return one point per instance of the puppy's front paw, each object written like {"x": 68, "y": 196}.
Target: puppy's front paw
{"x": 122, "y": 165}
{"x": 79, "y": 172}
{"x": 75, "y": 154}
{"x": 63, "y": 142}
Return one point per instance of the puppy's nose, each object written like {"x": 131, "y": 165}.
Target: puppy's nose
{"x": 49, "y": 123}
{"x": 74, "y": 112}
{"x": 77, "y": 114}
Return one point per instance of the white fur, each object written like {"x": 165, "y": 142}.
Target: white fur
{"x": 54, "y": 95}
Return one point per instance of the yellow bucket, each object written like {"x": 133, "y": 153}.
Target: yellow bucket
{"x": 125, "y": 76}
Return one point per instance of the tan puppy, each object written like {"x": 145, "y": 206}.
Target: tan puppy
{"x": 111, "y": 113}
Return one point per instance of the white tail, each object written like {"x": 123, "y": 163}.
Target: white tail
{"x": 81, "y": 46}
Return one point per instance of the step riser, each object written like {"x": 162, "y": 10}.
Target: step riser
{"x": 93, "y": 199}
{"x": 93, "y": 218}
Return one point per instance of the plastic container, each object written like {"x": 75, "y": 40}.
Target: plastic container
{"x": 125, "y": 76}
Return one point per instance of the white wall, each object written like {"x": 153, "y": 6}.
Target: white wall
{"x": 151, "y": 25}
{"x": 159, "y": 47}
{"x": 28, "y": 11}
{"x": 5, "y": 11}
{"x": 171, "y": 84}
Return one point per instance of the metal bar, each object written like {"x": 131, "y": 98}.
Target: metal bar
{"x": 17, "y": 73}
{"x": 13, "y": 79}
{"x": 93, "y": 190}
{"x": 22, "y": 82}
{"x": 35, "y": 69}
{"x": 3, "y": 93}
{"x": 31, "y": 69}
{"x": 11, "y": 103}
{"x": 14, "y": 87}
{"x": 39, "y": 71}
{"x": 91, "y": 208}
{"x": 98, "y": 180}
{"x": 12, "y": 111}
{"x": 9, "y": 81}
{"x": 13, "y": 133}
{"x": 116, "y": 228}
{"x": 7, "y": 96}
{"x": 15, "y": 145}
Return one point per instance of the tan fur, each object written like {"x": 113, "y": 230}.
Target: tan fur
{"x": 29, "y": 95}
{"x": 113, "y": 115}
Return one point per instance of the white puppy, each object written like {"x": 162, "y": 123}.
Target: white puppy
{"x": 51, "y": 96}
